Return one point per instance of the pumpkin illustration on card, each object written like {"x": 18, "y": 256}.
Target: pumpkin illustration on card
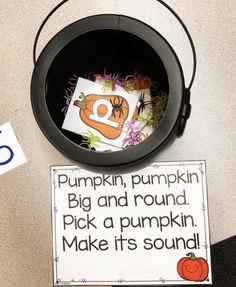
{"x": 107, "y": 114}
{"x": 193, "y": 268}
{"x": 104, "y": 114}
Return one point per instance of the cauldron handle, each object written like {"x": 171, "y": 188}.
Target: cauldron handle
{"x": 160, "y": 1}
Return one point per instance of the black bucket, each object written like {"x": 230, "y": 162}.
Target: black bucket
{"x": 91, "y": 44}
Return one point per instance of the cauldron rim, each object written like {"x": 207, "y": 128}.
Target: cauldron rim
{"x": 169, "y": 123}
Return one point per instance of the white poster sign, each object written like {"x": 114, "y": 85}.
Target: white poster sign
{"x": 149, "y": 227}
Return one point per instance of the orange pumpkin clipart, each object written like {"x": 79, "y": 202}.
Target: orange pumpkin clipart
{"x": 107, "y": 114}
{"x": 193, "y": 268}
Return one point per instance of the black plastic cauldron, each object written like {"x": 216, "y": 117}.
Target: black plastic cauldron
{"x": 119, "y": 43}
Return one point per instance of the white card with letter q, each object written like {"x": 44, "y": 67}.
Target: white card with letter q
{"x": 102, "y": 114}
{"x": 11, "y": 153}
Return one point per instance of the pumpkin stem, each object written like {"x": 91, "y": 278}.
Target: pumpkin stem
{"x": 80, "y": 104}
{"x": 191, "y": 256}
